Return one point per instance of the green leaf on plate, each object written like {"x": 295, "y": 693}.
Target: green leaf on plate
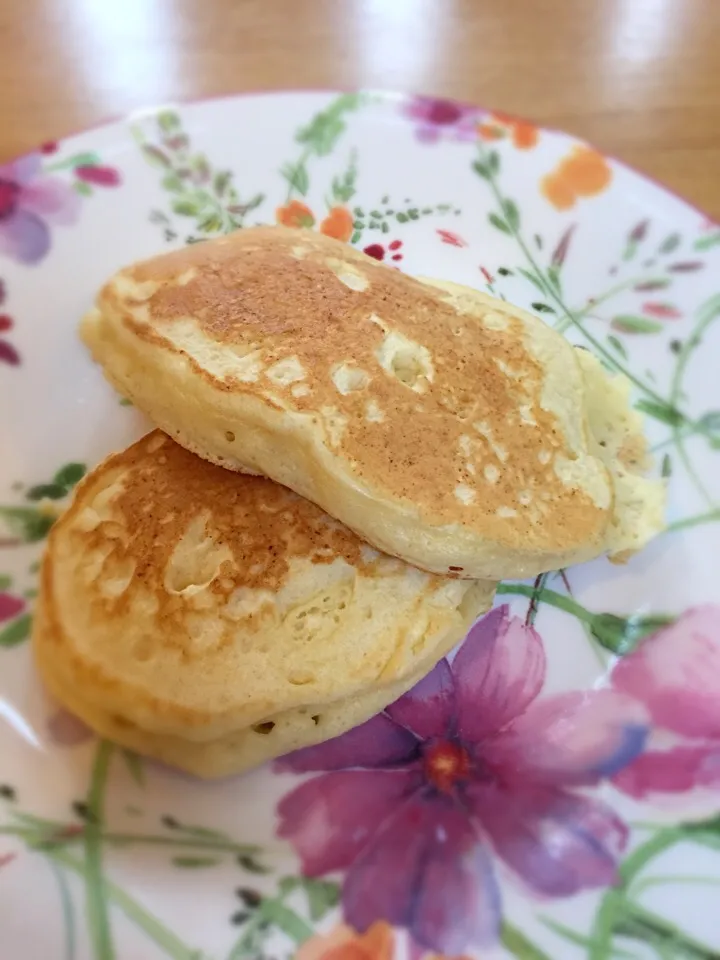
{"x": 285, "y": 919}
{"x": 498, "y": 223}
{"x": 84, "y": 189}
{"x": 249, "y": 863}
{"x": 51, "y": 491}
{"x": 70, "y": 474}
{"x": 5, "y": 581}
{"x": 155, "y": 155}
{"x": 168, "y": 121}
{"x": 531, "y": 278}
{"x": 542, "y": 307}
{"x": 200, "y": 167}
{"x": 705, "y": 243}
{"x": 663, "y": 412}
{"x": 16, "y": 632}
{"x": 626, "y": 323}
{"x": 666, "y": 469}
{"x": 195, "y": 863}
{"x": 172, "y": 183}
{"x": 297, "y": 176}
{"x": 192, "y": 830}
{"x": 186, "y": 208}
{"x": 243, "y": 209}
{"x": 493, "y": 162}
{"x": 323, "y": 896}
{"x": 553, "y": 275}
{"x": 670, "y": 243}
{"x": 519, "y": 945}
{"x": 27, "y": 523}
{"x": 618, "y": 345}
{"x": 512, "y": 214}
{"x": 324, "y": 130}
{"x": 210, "y": 224}
{"x": 481, "y": 169}
{"x": 621, "y": 635}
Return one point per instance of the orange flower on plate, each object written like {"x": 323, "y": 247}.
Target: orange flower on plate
{"x": 524, "y": 135}
{"x": 344, "y": 943}
{"x": 559, "y": 193}
{"x": 338, "y": 224}
{"x": 582, "y": 173}
{"x": 585, "y": 171}
{"x": 295, "y": 214}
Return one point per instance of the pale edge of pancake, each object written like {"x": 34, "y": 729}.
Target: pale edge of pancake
{"x": 240, "y": 750}
{"x": 618, "y": 430}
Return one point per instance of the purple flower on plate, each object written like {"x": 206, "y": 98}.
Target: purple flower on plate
{"x": 676, "y": 675}
{"x": 413, "y": 804}
{"x": 440, "y": 118}
{"x": 29, "y": 204}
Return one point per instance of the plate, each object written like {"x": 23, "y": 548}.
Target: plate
{"x": 575, "y": 810}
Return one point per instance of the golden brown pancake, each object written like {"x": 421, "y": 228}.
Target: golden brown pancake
{"x": 445, "y": 427}
{"x": 186, "y": 607}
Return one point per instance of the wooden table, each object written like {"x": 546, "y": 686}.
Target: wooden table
{"x": 638, "y": 78}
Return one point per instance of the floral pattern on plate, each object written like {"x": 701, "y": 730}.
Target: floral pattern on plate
{"x": 551, "y": 791}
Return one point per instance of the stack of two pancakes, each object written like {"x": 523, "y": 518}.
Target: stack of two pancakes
{"x": 421, "y": 442}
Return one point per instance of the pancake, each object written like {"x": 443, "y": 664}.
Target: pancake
{"x": 215, "y": 620}
{"x": 232, "y": 752}
{"x": 443, "y": 426}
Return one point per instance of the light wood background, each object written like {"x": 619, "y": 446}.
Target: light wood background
{"x": 638, "y": 78}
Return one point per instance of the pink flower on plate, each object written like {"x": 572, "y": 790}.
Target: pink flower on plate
{"x": 437, "y": 118}
{"x": 10, "y": 606}
{"x": 454, "y": 239}
{"x": 663, "y": 311}
{"x": 413, "y": 803}
{"x": 100, "y": 176}
{"x": 676, "y": 675}
{"x": 29, "y": 204}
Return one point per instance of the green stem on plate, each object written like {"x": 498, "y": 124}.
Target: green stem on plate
{"x": 279, "y": 915}
{"x": 580, "y": 939}
{"x": 78, "y": 160}
{"x": 707, "y": 313}
{"x": 559, "y": 600}
{"x": 640, "y": 886}
{"x": 589, "y": 308}
{"x": 41, "y": 834}
{"x": 572, "y": 319}
{"x": 68, "y": 911}
{"x": 637, "y": 923}
{"x": 615, "y": 904}
{"x": 164, "y": 938}
{"x": 95, "y": 884}
{"x": 712, "y": 516}
{"x": 682, "y": 433}
{"x": 271, "y": 913}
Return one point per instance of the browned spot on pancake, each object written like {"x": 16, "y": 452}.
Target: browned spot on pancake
{"x": 251, "y": 292}
{"x": 163, "y": 491}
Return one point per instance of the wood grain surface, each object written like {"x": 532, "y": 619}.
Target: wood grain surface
{"x": 638, "y": 78}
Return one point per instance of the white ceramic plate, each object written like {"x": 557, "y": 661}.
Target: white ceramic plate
{"x": 577, "y": 815}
